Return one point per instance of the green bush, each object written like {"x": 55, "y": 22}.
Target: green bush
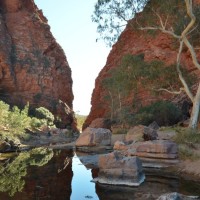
{"x": 44, "y": 114}
{"x": 18, "y": 119}
{"x": 164, "y": 113}
{"x": 14, "y": 122}
{"x": 37, "y": 123}
{"x": 4, "y": 110}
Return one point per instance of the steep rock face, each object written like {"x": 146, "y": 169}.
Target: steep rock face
{"x": 33, "y": 67}
{"x": 158, "y": 47}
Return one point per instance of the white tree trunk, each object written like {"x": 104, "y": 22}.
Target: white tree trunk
{"x": 195, "y": 110}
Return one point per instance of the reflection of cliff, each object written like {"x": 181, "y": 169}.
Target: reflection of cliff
{"x": 12, "y": 173}
{"x": 49, "y": 181}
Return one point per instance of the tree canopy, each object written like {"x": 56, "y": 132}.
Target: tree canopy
{"x": 113, "y": 15}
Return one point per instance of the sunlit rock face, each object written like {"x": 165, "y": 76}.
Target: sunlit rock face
{"x": 33, "y": 66}
{"x": 160, "y": 47}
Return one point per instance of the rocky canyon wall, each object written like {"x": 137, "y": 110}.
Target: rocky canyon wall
{"x": 33, "y": 66}
{"x": 161, "y": 47}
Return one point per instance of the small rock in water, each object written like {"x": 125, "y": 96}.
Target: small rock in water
{"x": 177, "y": 196}
{"x": 88, "y": 197}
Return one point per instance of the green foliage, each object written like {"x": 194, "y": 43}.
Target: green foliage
{"x": 80, "y": 120}
{"x": 14, "y": 121}
{"x": 44, "y": 114}
{"x": 132, "y": 74}
{"x": 112, "y": 16}
{"x": 37, "y": 123}
{"x": 4, "y": 111}
{"x": 163, "y": 112}
{"x": 12, "y": 173}
{"x": 18, "y": 119}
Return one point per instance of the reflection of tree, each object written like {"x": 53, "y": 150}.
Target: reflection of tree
{"x": 11, "y": 174}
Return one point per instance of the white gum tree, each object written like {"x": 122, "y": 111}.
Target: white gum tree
{"x": 111, "y": 14}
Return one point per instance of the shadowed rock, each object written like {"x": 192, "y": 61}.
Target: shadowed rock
{"x": 115, "y": 169}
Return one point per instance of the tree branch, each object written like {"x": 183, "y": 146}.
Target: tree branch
{"x": 171, "y": 92}
{"x": 162, "y": 30}
{"x": 186, "y": 88}
{"x": 160, "y": 19}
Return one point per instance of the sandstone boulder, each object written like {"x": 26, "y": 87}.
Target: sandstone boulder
{"x": 101, "y": 123}
{"x": 119, "y": 145}
{"x": 115, "y": 169}
{"x": 158, "y": 146}
{"x": 135, "y": 134}
{"x": 140, "y": 133}
{"x": 157, "y": 153}
{"x": 117, "y": 137}
{"x": 94, "y": 137}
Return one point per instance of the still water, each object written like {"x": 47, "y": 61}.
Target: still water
{"x": 45, "y": 174}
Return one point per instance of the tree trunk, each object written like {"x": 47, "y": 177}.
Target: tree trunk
{"x": 195, "y": 110}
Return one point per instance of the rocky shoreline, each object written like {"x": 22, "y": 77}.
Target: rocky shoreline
{"x": 158, "y": 156}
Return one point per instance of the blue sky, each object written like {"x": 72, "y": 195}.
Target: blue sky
{"x": 71, "y": 25}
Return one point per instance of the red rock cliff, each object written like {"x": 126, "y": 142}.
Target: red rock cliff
{"x": 33, "y": 67}
{"x": 160, "y": 47}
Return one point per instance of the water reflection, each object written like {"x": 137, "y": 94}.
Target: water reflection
{"x": 37, "y": 174}
{"x": 44, "y": 174}
{"x": 13, "y": 172}
{"x": 82, "y": 187}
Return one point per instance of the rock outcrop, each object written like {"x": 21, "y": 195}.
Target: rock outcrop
{"x": 115, "y": 169}
{"x": 94, "y": 137}
{"x": 160, "y": 47}
{"x": 33, "y": 67}
{"x": 156, "y": 153}
{"x": 101, "y": 123}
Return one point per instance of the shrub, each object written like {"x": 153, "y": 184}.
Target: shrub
{"x": 164, "y": 113}
{"x": 37, "y": 123}
{"x": 187, "y": 136}
{"x": 4, "y": 110}
{"x": 188, "y": 140}
{"x": 14, "y": 121}
{"x": 18, "y": 120}
{"x": 187, "y": 153}
{"x": 43, "y": 113}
